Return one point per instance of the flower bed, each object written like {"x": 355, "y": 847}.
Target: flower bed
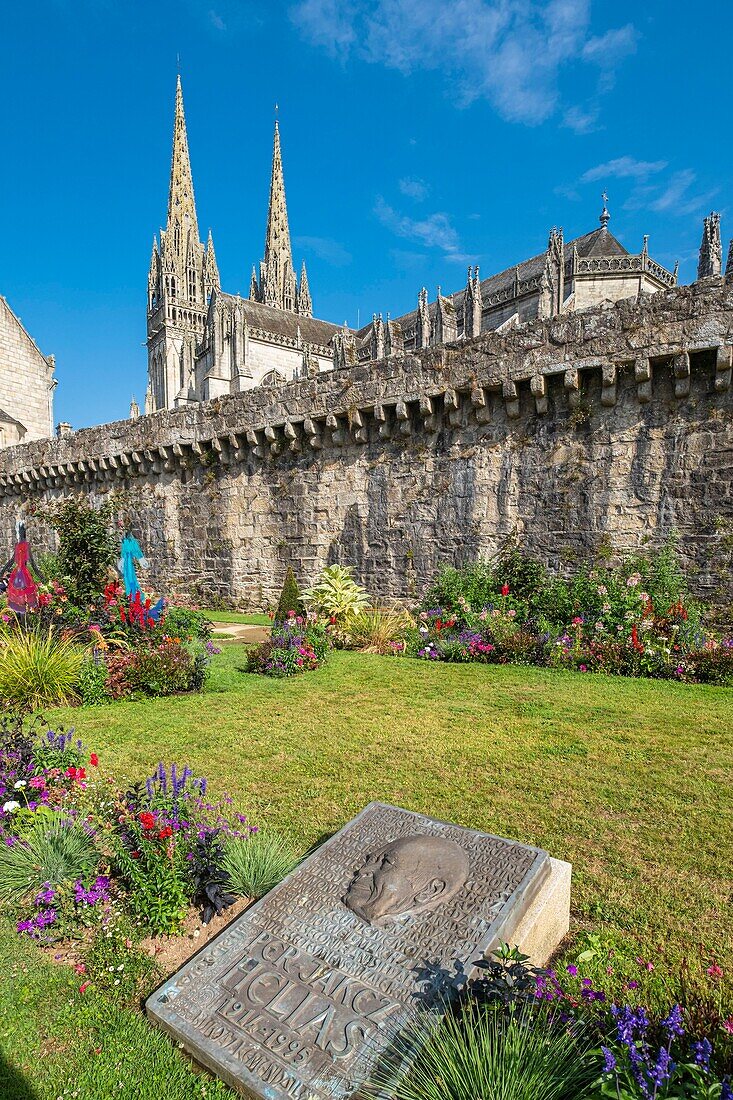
{"x": 86, "y": 862}
{"x": 115, "y": 648}
{"x": 298, "y": 644}
{"x": 634, "y": 619}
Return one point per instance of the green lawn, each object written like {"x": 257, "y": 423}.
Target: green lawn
{"x": 630, "y": 780}
{"x": 246, "y": 618}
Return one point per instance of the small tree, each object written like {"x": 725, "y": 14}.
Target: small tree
{"x": 289, "y": 598}
{"x": 87, "y": 547}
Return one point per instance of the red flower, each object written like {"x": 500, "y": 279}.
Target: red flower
{"x": 94, "y": 760}
{"x": 84, "y": 986}
{"x": 165, "y": 833}
{"x": 135, "y": 855}
{"x": 505, "y": 590}
{"x": 147, "y": 820}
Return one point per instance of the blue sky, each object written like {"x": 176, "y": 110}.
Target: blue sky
{"x": 418, "y": 136}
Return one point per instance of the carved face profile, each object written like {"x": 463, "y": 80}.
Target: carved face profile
{"x": 406, "y": 877}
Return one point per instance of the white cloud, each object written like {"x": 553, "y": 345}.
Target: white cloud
{"x": 607, "y": 50}
{"x": 581, "y": 120}
{"x": 510, "y": 52}
{"x": 414, "y": 188}
{"x": 326, "y": 249}
{"x": 622, "y": 168}
{"x": 216, "y": 21}
{"x": 432, "y": 231}
{"x": 327, "y": 23}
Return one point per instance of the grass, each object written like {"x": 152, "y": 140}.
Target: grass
{"x": 58, "y": 1042}
{"x": 630, "y": 780}
{"x": 245, "y": 618}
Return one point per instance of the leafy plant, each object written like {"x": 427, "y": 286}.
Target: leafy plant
{"x": 506, "y": 978}
{"x": 255, "y": 864}
{"x": 380, "y": 629}
{"x": 87, "y": 546}
{"x": 486, "y": 1054}
{"x": 93, "y": 683}
{"x": 55, "y": 850}
{"x": 38, "y": 669}
{"x": 336, "y": 594}
{"x": 290, "y": 602}
{"x": 183, "y": 622}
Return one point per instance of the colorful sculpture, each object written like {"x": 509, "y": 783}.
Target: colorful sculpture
{"x": 16, "y": 579}
{"x": 130, "y": 554}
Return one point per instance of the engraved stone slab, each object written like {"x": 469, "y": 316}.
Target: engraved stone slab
{"x": 305, "y": 994}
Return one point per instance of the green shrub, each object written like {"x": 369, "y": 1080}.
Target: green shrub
{"x": 55, "y": 850}
{"x": 336, "y": 594}
{"x": 38, "y": 669}
{"x": 93, "y": 678}
{"x": 486, "y": 1054}
{"x": 257, "y": 863}
{"x": 290, "y": 600}
{"x": 182, "y": 622}
{"x": 87, "y": 547}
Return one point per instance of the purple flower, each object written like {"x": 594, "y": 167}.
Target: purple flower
{"x": 609, "y": 1061}
{"x": 45, "y": 896}
{"x": 701, "y": 1053}
{"x": 572, "y": 971}
{"x": 663, "y": 1069}
{"x": 673, "y": 1023}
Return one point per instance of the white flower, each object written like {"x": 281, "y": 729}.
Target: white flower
{"x": 19, "y": 785}
{"x": 10, "y": 807}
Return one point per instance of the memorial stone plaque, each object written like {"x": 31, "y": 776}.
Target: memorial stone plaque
{"x": 313, "y": 988}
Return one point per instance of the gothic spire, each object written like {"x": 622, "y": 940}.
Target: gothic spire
{"x": 279, "y": 276}
{"x": 305, "y": 305}
{"x": 182, "y": 222}
{"x": 254, "y": 292}
{"x": 211, "y": 268}
{"x": 711, "y": 250}
{"x": 729, "y": 261}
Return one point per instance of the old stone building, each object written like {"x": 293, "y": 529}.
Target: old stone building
{"x": 26, "y": 383}
{"x": 204, "y": 343}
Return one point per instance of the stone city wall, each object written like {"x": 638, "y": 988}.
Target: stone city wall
{"x": 609, "y": 427}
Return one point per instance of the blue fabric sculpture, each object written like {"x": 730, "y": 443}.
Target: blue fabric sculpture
{"x": 130, "y": 553}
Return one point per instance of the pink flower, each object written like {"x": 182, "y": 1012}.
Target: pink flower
{"x": 727, "y": 1025}
{"x": 577, "y": 621}
{"x": 714, "y": 971}
{"x": 38, "y": 782}
{"x": 84, "y": 986}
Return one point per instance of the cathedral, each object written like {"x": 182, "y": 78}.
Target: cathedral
{"x": 204, "y": 343}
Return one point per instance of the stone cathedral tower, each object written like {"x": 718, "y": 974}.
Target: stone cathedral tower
{"x": 277, "y": 285}
{"x": 183, "y": 273}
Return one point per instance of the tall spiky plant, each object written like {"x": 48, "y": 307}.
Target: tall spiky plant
{"x": 525, "y": 1053}
{"x": 38, "y": 669}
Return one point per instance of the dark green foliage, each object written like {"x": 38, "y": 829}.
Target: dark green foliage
{"x": 92, "y": 685}
{"x": 290, "y": 600}
{"x": 184, "y": 623}
{"x": 87, "y": 547}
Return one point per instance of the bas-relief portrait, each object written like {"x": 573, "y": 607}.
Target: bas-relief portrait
{"x": 407, "y": 877}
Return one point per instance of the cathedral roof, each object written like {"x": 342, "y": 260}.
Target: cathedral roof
{"x": 598, "y": 243}
{"x": 281, "y": 322}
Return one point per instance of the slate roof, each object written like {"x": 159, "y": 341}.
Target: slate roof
{"x": 281, "y": 322}
{"x": 598, "y": 243}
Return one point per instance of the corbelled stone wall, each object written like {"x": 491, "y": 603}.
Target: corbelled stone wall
{"x": 609, "y": 428}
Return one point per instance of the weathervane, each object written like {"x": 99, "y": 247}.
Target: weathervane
{"x": 605, "y": 216}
